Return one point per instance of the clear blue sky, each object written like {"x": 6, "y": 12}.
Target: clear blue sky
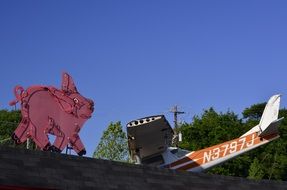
{"x": 139, "y": 58}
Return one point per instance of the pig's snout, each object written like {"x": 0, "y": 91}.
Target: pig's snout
{"x": 91, "y": 105}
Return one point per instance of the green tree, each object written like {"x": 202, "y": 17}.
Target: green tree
{"x": 254, "y": 112}
{"x": 113, "y": 144}
{"x": 9, "y": 120}
{"x": 256, "y": 170}
{"x": 209, "y": 129}
{"x": 273, "y": 156}
{"x": 212, "y": 128}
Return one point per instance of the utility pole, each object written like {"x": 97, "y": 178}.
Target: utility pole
{"x": 177, "y": 137}
{"x": 175, "y": 112}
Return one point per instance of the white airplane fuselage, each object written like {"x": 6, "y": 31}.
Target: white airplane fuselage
{"x": 200, "y": 160}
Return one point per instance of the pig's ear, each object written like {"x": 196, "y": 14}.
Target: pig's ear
{"x": 68, "y": 84}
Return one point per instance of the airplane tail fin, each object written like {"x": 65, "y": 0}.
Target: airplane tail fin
{"x": 270, "y": 113}
{"x": 272, "y": 128}
{"x": 269, "y": 121}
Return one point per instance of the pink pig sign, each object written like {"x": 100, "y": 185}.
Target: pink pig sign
{"x": 48, "y": 110}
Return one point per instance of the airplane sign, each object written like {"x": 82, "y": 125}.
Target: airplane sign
{"x": 154, "y": 133}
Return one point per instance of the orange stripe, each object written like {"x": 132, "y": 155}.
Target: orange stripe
{"x": 199, "y": 155}
{"x": 195, "y": 154}
{"x": 181, "y": 161}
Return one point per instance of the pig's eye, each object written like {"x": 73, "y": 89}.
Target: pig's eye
{"x": 76, "y": 100}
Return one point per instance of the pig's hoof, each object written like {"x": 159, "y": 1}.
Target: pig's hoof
{"x": 15, "y": 138}
{"x": 82, "y": 152}
{"x": 47, "y": 147}
{"x": 54, "y": 149}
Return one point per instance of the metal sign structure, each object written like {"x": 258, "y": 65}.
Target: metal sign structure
{"x": 149, "y": 137}
{"x": 48, "y": 110}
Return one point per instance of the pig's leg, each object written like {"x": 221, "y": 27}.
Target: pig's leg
{"x": 77, "y": 145}
{"x": 20, "y": 134}
{"x": 60, "y": 143}
{"x": 54, "y": 129}
{"x": 40, "y": 137}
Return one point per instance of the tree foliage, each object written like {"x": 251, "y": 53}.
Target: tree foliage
{"x": 256, "y": 170}
{"x": 9, "y": 120}
{"x": 212, "y": 128}
{"x": 266, "y": 162}
{"x": 254, "y": 112}
{"x": 113, "y": 144}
